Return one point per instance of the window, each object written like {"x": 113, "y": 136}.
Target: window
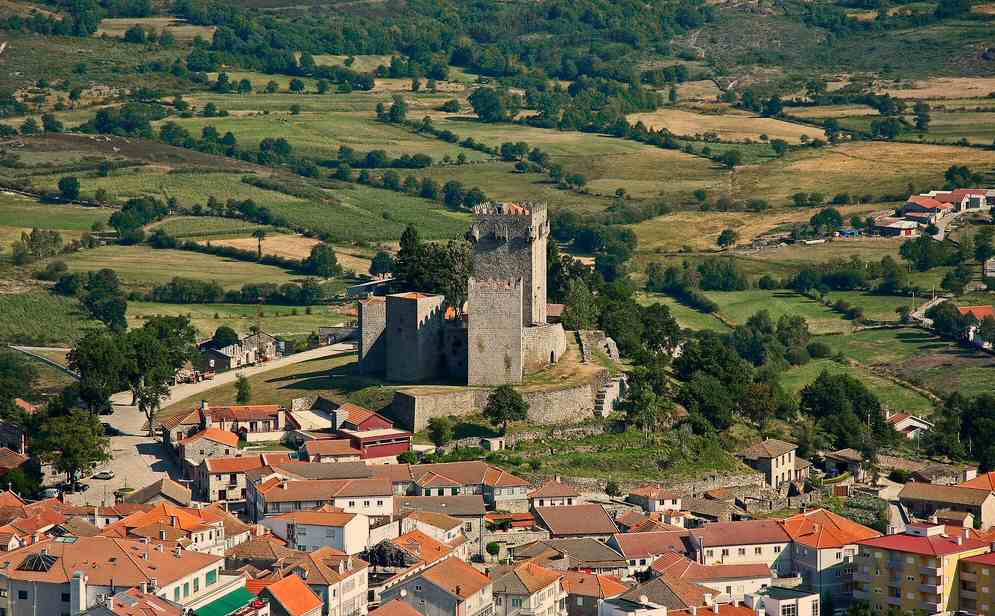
{"x": 580, "y": 600}
{"x": 468, "y": 526}
{"x": 777, "y": 549}
{"x": 758, "y": 550}
{"x": 516, "y": 602}
{"x": 186, "y": 589}
{"x": 22, "y": 595}
{"x": 196, "y": 584}
{"x": 728, "y": 590}
{"x": 65, "y": 597}
{"x": 789, "y": 609}
{"x": 417, "y": 587}
{"x": 709, "y": 553}
{"x": 497, "y": 600}
{"x": 725, "y": 551}
{"x": 211, "y": 578}
{"x": 815, "y": 608}
{"x": 379, "y": 503}
{"x": 366, "y": 503}
{"x": 742, "y": 551}
{"x": 176, "y": 594}
{"x": 352, "y": 503}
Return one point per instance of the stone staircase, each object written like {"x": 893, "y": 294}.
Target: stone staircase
{"x": 608, "y": 394}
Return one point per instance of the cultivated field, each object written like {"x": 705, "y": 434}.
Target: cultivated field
{"x": 276, "y": 320}
{"x": 182, "y": 30}
{"x": 738, "y": 306}
{"x": 688, "y": 318}
{"x": 282, "y": 245}
{"x": 943, "y": 87}
{"x": 25, "y": 212}
{"x": 204, "y": 227}
{"x": 363, "y": 64}
{"x": 832, "y": 111}
{"x": 729, "y": 126}
{"x": 142, "y": 266}
{"x": 40, "y": 318}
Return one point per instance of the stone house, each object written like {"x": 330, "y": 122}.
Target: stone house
{"x": 340, "y": 581}
{"x": 208, "y": 443}
{"x": 744, "y": 542}
{"x": 469, "y": 509}
{"x": 924, "y": 500}
{"x": 553, "y": 493}
{"x": 654, "y": 498}
{"x": 776, "y": 460}
{"x": 451, "y": 587}
{"x": 223, "y": 480}
{"x": 248, "y": 351}
{"x": 528, "y": 588}
{"x": 641, "y": 550}
{"x": 587, "y": 591}
{"x": 584, "y": 554}
{"x": 164, "y": 490}
{"x": 577, "y": 521}
{"x": 373, "y": 498}
{"x": 500, "y": 489}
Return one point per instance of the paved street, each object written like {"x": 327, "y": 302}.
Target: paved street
{"x": 139, "y": 460}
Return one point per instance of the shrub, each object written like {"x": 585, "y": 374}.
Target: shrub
{"x": 819, "y": 350}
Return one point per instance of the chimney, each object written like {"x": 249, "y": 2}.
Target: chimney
{"x": 735, "y": 602}
{"x": 458, "y": 589}
{"x": 959, "y": 540}
{"x": 144, "y": 540}
{"x": 44, "y": 551}
{"x": 404, "y": 594}
{"x": 933, "y": 519}
{"x": 160, "y": 547}
{"x": 284, "y": 484}
{"x": 77, "y": 593}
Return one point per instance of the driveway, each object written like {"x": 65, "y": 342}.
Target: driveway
{"x": 138, "y": 460}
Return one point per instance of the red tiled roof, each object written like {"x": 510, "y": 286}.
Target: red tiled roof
{"x": 10, "y": 459}
{"x": 984, "y": 481}
{"x": 641, "y": 545}
{"x": 978, "y": 312}
{"x": 958, "y": 195}
{"x": 457, "y": 577}
{"x": 213, "y": 434}
{"x": 294, "y": 595}
{"x": 395, "y": 608}
{"x": 331, "y": 447}
{"x": 274, "y": 490}
{"x": 820, "y": 528}
{"x": 244, "y": 463}
{"x": 928, "y": 202}
{"x": 676, "y": 565}
{"x": 421, "y": 546}
{"x": 982, "y": 559}
{"x": 243, "y": 412}
{"x": 750, "y": 532}
{"x": 576, "y": 520}
{"x": 554, "y": 310}
{"x": 936, "y": 545}
{"x": 653, "y": 492}
{"x": 26, "y": 406}
{"x": 592, "y": 585}
{"x": 553, "y": 489}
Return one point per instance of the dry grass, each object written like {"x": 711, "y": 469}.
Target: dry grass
{"x": 730, "y": 126}
{"x": 988, "y": 8}
{"x": 698, "y": 90}
{"x": 944, "y": 87}
{"x": 856, "y": 168}
{"x": 183, "y": 31}
{"x": 299, "y": 247}
{"x": 832, "y": 111}
{"x": 700, "y": 230}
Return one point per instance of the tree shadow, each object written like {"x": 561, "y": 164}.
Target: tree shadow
{"x": 163, "y": 463}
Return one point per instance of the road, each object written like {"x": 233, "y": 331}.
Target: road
{"x": 137, "y": 459}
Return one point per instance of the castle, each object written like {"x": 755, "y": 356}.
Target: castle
{"x": 411, "y": 337}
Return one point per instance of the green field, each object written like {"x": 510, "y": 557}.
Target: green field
{"x": 206, "y": 227}
{"x": 920, "y": 358}
{"x": 276, "y": 320}
{"x": 143, "y": 266}
{"x": 738, "y": 306}
{"x": 891, "y": 395}
{"x": 18, "y": 211}
{"x": 688, "y": 318}
{"x": 40, "y": 318}
{"x": 321, "y": 133}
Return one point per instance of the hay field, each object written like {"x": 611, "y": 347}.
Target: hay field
{"x": 730, "y": 126}
{"x": 277, "y": 320}
{"x": 704, "y": 90}
{"x": 181, "y": 29}
{"x": 361, "y": 64}
{"x": 832, "y": 111}
{"x": 857, "y": 168}
{"x": 282, "y": 245}
{"x": 976, "y": 127}
{"x": 943, "y": 87}
{"x": 700, "y": 230}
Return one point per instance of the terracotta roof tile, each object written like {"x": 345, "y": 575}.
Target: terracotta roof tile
{"x": 213, "y": 434}
{"x": 770, "y": 448}
{"x": 395, "y": 608}
{"x": 741, "y": 533}
{"x": 936, "y": 545}
{"x": 592, "y": 585}
{"x": 241, "y": 464}
{"x": 553, "y": 489}
{"x": 293, "y": 595}
{"x": 642, "y": 545}
{"x": 576, "y": 520}
{"x": 961, "y": 495}
{"x": 456, "y": 577}
{"x": 820, "y": 528}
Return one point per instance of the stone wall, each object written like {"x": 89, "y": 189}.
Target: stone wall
{"x": 544, "y": 345}
{"x": 494, "y": 353}
{"x": 513, "y": 539}
{"x": 372, "y": 344}
{"x": 595, "y": 340}
{"x": 413, "y": 408}
{"x": 414, "y": 336}
{"x": 590, "y": 485}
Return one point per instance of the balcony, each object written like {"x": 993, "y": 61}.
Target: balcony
{"x": 930, "y": 570}
{"x": 967, "y": 576}
{"x": 931, "y": 588}
{"x": 930, "y": 607}
{"x": 968, "y": 594}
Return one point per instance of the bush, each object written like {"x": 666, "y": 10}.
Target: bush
{"x": 899, "y": 475}
{"x": 768, "y": 282}
{"x": 493, "y": 548}
{"x": 819, "y": 350}
{"x": 797, "y": 356}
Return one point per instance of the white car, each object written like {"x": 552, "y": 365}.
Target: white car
{"x": 104, "y": 475}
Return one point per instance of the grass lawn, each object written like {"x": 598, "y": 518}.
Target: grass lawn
{"x": 892, "y": 395}
{"x": 205, "y": 227}
{"x": 920, "y": 358}
{"x": 182, "y": 30}
{"x": 49, "y": 380}
{"x": 277, "y": 320}
{"x": 733, "y": 125}
{"x": 41, "y": 318}
{"x": 738, "y": 306}
{"x": 688, "y": 318}
{"x": 143, "y": 266}
{"x": 20, "y": 211}
{"x": 315, "y": 133}
{"x": 876, "y": 307}
{"x": 333, "y": 377}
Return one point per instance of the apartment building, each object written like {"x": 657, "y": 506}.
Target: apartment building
{"x": 915, "y": 571}
{"x": 325, "y": 527}
{"x": 70, "y": 574}
{"x": 976, "y": 584}
{"x": 528, "y": 589}
{"x": 341, "y": 581}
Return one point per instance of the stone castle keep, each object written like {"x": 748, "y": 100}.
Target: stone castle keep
{"x": 409, "y": 337}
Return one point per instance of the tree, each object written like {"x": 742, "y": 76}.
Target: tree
{"x": 984, "y": 244}
{"x": 51, "y": 124}
{"x": 260, "y": 235}
{"x": 243, "y": 390}
{"x": 322, "y": 262}
{"x": 98, "y": 359}
{"x": 810, "y": 436}
{"x": 829, "y": 219}
{"x": 948, "y": 320}
{"x": 244, "y": 86}
{"x": 72, "y": 443}
{"x": 398, "y": 111}
{"x": 727, "y": 238}
{"x": 29, "y": 127}
{"x": 505, "y": 405}
{"x": 105, "y": 300}
{"x": 272, "y": 87}
{"x": 986, "y": 330}
{"x": 491, "y": 105}
{"x": 730, "y": 158}
{"x": 224, "y": 336}
{"x": 136, "y": 34}
{"x": 441, "y": 430}
{"x": 69, "y": 188}
{"x": 153, "y": 354}
{"x": 296, "y": 86}
{"x": 581, "y": 310}
{"x": 381, "y": 264}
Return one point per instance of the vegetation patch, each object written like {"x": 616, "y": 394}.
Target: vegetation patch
{"x": 40, "y": 318}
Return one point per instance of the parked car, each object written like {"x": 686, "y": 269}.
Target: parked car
{"x": 104, "y": 475}
{"x": 50, "y": 493}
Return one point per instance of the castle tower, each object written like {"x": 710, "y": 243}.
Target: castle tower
{"x": 414, "y": 336}
{"x": 509, "y": 243}
{"x": 495, "y": 351}
{"x": 372, "y": 342}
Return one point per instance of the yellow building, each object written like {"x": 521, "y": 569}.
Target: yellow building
{"x": 915, "y": 571}
{"x": 977, "y": 584}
